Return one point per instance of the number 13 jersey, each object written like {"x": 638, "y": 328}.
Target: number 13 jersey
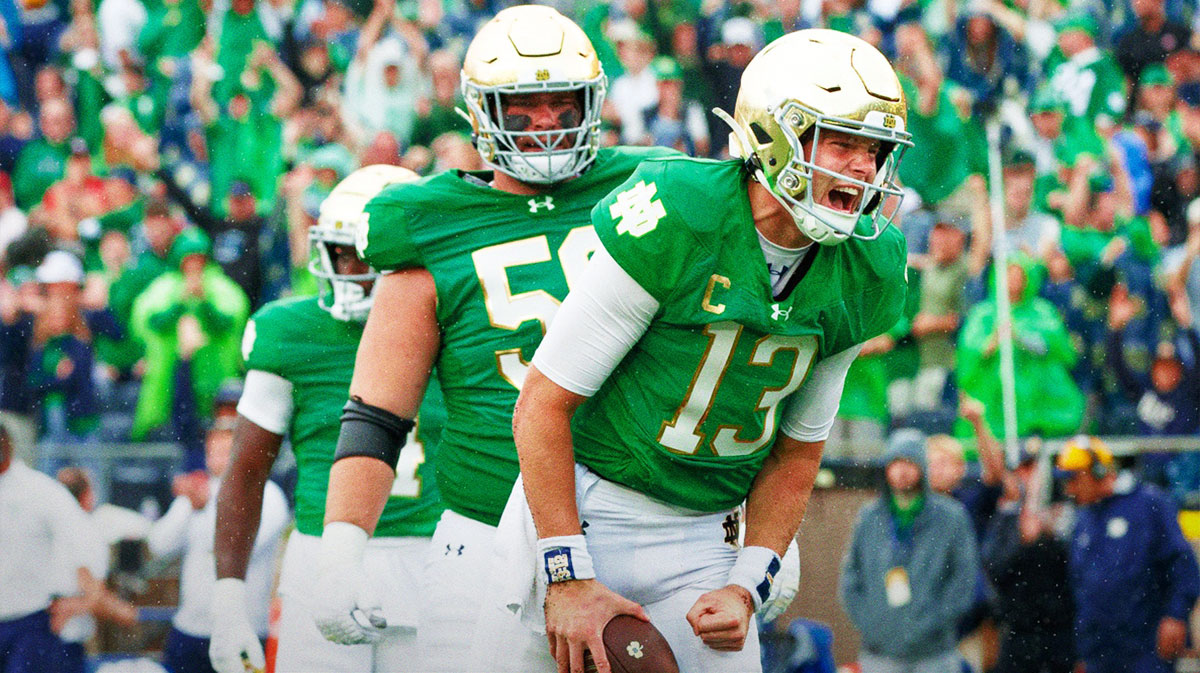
{"x": 690, "y": 413}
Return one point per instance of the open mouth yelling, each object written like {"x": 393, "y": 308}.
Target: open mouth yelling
{"x": 844, "y": 198}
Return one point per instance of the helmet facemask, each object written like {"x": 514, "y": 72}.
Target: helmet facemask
{"x": 549, "y": 163}
{"x": 343, "y": 295}
{"x": 798, "y": 90}
{"x": 792, "y": 186}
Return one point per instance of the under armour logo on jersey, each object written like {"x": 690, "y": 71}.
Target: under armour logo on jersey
{"x": 732, "y": 525}
{"x": 583, "y": 527}
{"x": 547, "y": 203}
{"x": 452, "y": 550}
{"x": 780, "y": 313}
{"x": 637, "y": 210}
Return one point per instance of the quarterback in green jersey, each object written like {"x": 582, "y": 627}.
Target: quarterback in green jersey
{"x": 699, "y": 361}
{"x": 475, "y": 265}
{"x": 299, "y": 355}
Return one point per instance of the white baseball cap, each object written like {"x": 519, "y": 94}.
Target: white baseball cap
{"x": 60, "y": 266}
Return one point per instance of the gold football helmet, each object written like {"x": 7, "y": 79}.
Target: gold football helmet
{"x": 802, "y": 84}
{"x": 339, "y": 223}
{"x": 531, "y": 49}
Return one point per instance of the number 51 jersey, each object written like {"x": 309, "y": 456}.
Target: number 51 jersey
{"x": 691, "y": 412}
{"x": 502, "y": 263}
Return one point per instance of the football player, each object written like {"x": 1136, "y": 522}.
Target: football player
{"x": 299, "y": 354}
{"x": 699, "y": 361}
{"x": 475, "y": 265}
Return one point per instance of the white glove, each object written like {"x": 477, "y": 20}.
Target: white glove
{"x": 234, "y": 647}
{"x": 785, "y": 586}
{"x": 347, "y": 612}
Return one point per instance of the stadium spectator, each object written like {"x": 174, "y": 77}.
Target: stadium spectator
{"x": 436, "y": 113}
{"x": 158, "y": 229}
{"x": 910, "y": 570}
{"x": 1148, "y": 41}
{"x": 1134, "y": 576}
{"x": 1088, "y": 79}
{"x": 944, "y": 275}
{"x": 676, "y": 121}
{"x": 1043, "y": 353}
{"x": 242, "y": 123}
{"x": 1167, "y": 395}
{"x": 190, "y": 319}
{"x": 980, "y": 494}
{"x": 634, "y": 93}
{"x": 385, "y": 80}
{"x": 44, "y": 160}
{"x": 945, "y": 172}
{"x": 1027, "y": 230}
{"x": 186, "y": 530}
{"x": 1026, "y": 563}
{"x": 61, "y": 357}
{"x": 248, "y": 248}
{"x": 723, "y": 62}
{"x": 20, "y": 302}
{"x": 984, "y": 59}
{"x": 1083, "y": 316}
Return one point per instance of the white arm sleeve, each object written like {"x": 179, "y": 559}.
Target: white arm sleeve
{"x": 267, "y": 401}
{"x": 597, "y": 324}
{"x": 812, "y": 408}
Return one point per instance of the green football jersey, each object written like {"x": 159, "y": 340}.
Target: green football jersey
{"x": 691, "y": 412}
{"x": 298, "y": 340}
{"x": 502, "y": 263}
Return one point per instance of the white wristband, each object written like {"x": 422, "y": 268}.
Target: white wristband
{"x": 565, "y": 558}
{"x": 755, "y": 571}
{"x": 342, "y": 543}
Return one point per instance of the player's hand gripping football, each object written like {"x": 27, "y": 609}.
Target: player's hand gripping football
{"x": 721, "y": 618}
{"x": 234, "y": 647}
{"x": 576, "y": 613}
{"x": 349, "y": 613}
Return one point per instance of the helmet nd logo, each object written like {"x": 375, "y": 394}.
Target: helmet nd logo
{"x": 889, "y": 122}
{"x": 542, "y": 75}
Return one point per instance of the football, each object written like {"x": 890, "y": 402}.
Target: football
{"x": 634, "y": 646}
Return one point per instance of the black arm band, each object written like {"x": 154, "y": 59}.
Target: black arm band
{"x": 370, "y": 431}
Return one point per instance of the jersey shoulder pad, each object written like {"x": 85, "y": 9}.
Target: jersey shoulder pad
{"x": 665, "y": 218}
{"x": 627, "y": 157}
{"x": 271, "y": 329}
{"x": 383, "y": 238}
{"x": 875, "y": 286}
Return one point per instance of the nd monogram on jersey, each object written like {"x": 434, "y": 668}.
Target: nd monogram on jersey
{"x": 298, "y": 340}
{"x": 689, "y": 415}
{"x": 501, "y": 263}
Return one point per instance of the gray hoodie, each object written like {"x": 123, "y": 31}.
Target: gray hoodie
{"x": 938, "y": 556}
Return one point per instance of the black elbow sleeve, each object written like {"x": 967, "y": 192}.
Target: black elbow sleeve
{"x": 370, "y": 431}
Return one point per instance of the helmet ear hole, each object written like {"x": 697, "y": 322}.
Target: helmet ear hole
{"x": 760, "y": 134}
